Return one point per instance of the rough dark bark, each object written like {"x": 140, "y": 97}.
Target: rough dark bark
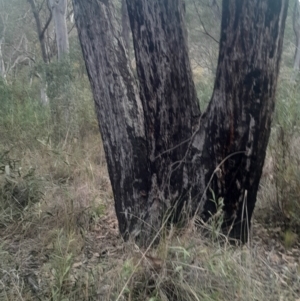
{"x": 296, "y": 26}
{"x": 119, "y": 110}
{"x": 162, "y": 156}
{"x": 168, "y": 95}
{"x": 237, "y": 122}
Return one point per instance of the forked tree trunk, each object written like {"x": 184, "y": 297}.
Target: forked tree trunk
{"x": 164, "y": 159}
{"x": 41, "y": 36}
{"x": 40, "y": 30}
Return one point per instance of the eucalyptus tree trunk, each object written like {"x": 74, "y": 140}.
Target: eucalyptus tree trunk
{"x": 3, "y": 20}
{"x": 236, "y": 126}
{"x": 41, "y": 30}
{"x": 2, "y": 65}
{"x": 59, "y": 10}
{"x": 296, "y": 26}
{"x": 166, "y": 159}
{"x": 63, "y": 104}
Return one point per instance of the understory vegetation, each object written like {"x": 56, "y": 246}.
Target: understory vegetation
{"x": 59, "y": 233}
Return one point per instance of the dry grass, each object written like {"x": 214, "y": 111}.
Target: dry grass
{"x": 278, "y": 205}
{"x": 66, "y": 246}
{"x": 59, "y": 236}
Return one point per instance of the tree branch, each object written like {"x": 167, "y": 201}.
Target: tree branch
{"x": 200, "y": 19}
{"x": 46, "y": 25}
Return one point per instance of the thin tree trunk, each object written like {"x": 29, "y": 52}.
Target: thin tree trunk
{"x": 296, "y": 26}
{"x": 43, "y": 91}
{"x": 2, "y": 39}
{"x": 2, "y": 65}
{"x": 63, "y": 105}
{"x": 162, "y": 156}
{"x": 40, "y": 29}
{"x": 41, "y": 35}
{"x": 59, "y": 10}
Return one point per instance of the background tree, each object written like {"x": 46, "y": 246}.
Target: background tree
{"x": 55, "y": 72}
{"x": 161, "y": 153}
{"x": 37, "y": 10}
{"x": 296, "y": 26}
{"x": 59, "y": 12}
{"x": 2, "y": 35}
{"x": 214, "y": 5}
{"x": 15, "y": 50}
{"x": 203, "y": 18}
{"x": 62, "y": 104}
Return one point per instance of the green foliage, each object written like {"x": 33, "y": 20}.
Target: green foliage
{"x": 216, "y": 220}
{"x": 18, "y": 191}
{"x": 61, "y": 261}
{"x": 289, "y": 238}
{"x": 22, "y": 117}
{"x": 284, "y": 153}
{"x": 58, "y": 77}
{"x": 204, "y": 88}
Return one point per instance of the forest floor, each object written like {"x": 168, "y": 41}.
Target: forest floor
{"x": 67, "y": 246}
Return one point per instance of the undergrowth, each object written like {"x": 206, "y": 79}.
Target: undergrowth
{"x": 280, "y": 185}
{"x": 59, "y": 234}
